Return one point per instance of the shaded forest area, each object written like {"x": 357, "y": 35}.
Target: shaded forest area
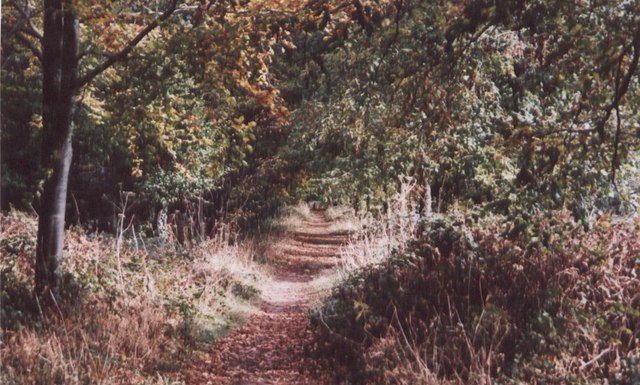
{"x": 483, "y": 157}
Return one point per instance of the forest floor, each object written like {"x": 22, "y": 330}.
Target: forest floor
{"x": 272, "y": 346}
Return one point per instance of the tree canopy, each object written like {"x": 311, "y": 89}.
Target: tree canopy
{"x": 503, "y": 106}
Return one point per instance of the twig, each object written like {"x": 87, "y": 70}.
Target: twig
{"x": 595, "y": 359}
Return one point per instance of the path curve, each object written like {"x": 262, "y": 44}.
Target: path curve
{"x": 270, "y": 348}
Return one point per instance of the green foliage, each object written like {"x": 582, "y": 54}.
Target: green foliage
{"x": 190, "y": 110}
{"x": 21, "y": 124}
{"x": 509, "y": 105}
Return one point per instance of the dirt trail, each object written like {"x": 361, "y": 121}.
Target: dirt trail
{"x": 270, "y": 347}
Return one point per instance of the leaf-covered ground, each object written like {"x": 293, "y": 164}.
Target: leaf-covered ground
{"x": 272, "y": 346}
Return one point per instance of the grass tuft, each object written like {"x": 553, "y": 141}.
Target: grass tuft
{"x": 134, "y": 314}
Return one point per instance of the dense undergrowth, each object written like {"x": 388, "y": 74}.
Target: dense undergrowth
{"x": 476, "y": 303}
{"x": 133, "y": 310}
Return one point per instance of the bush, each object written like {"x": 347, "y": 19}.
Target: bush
{"x": 466, "y": 304}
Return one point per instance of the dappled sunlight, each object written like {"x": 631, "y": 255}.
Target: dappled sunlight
{"x": 272, "y": 346}
{"x": 377, "y": 239}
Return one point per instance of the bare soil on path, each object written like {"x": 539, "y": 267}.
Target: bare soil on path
{"x": 272, "y": 346}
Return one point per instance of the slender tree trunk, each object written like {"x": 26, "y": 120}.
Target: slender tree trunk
{"x": 427, "y": 200}
{"x": 180, "y": 225}
{"x": 59, "y": 68}
{"x": 161, "y": 223}
{"x": 201, "y": 219}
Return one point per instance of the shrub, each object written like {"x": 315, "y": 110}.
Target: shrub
{"x": 467, "y": 304}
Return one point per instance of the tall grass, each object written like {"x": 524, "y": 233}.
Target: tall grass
{"x": 344, "y": 220}
{"x": 131, "y": 312}
{"x": 377, "y": 238}
{"x": 293, "y": 217}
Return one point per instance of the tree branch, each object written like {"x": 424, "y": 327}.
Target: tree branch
{"x": 31, "y": 29}
{"x": 623, "y": 86}
{"x": 29, "y": 44}
{"x": 122, "y": 54}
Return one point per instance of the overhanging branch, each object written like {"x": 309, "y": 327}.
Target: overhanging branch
{"x": 124, "y": 52}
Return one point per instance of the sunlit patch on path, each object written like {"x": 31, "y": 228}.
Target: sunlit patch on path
{"x": 270, "y": 347}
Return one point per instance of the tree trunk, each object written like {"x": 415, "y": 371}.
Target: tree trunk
{"x": 161, "y": 223}
{"x": 60, "y": 85}
{"x": 427, "y": 200}
{"x": 59, "y": 68}
{"x": 201, "y": 220}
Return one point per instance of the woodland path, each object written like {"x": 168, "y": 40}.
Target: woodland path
{"x": 271, "y": 347}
